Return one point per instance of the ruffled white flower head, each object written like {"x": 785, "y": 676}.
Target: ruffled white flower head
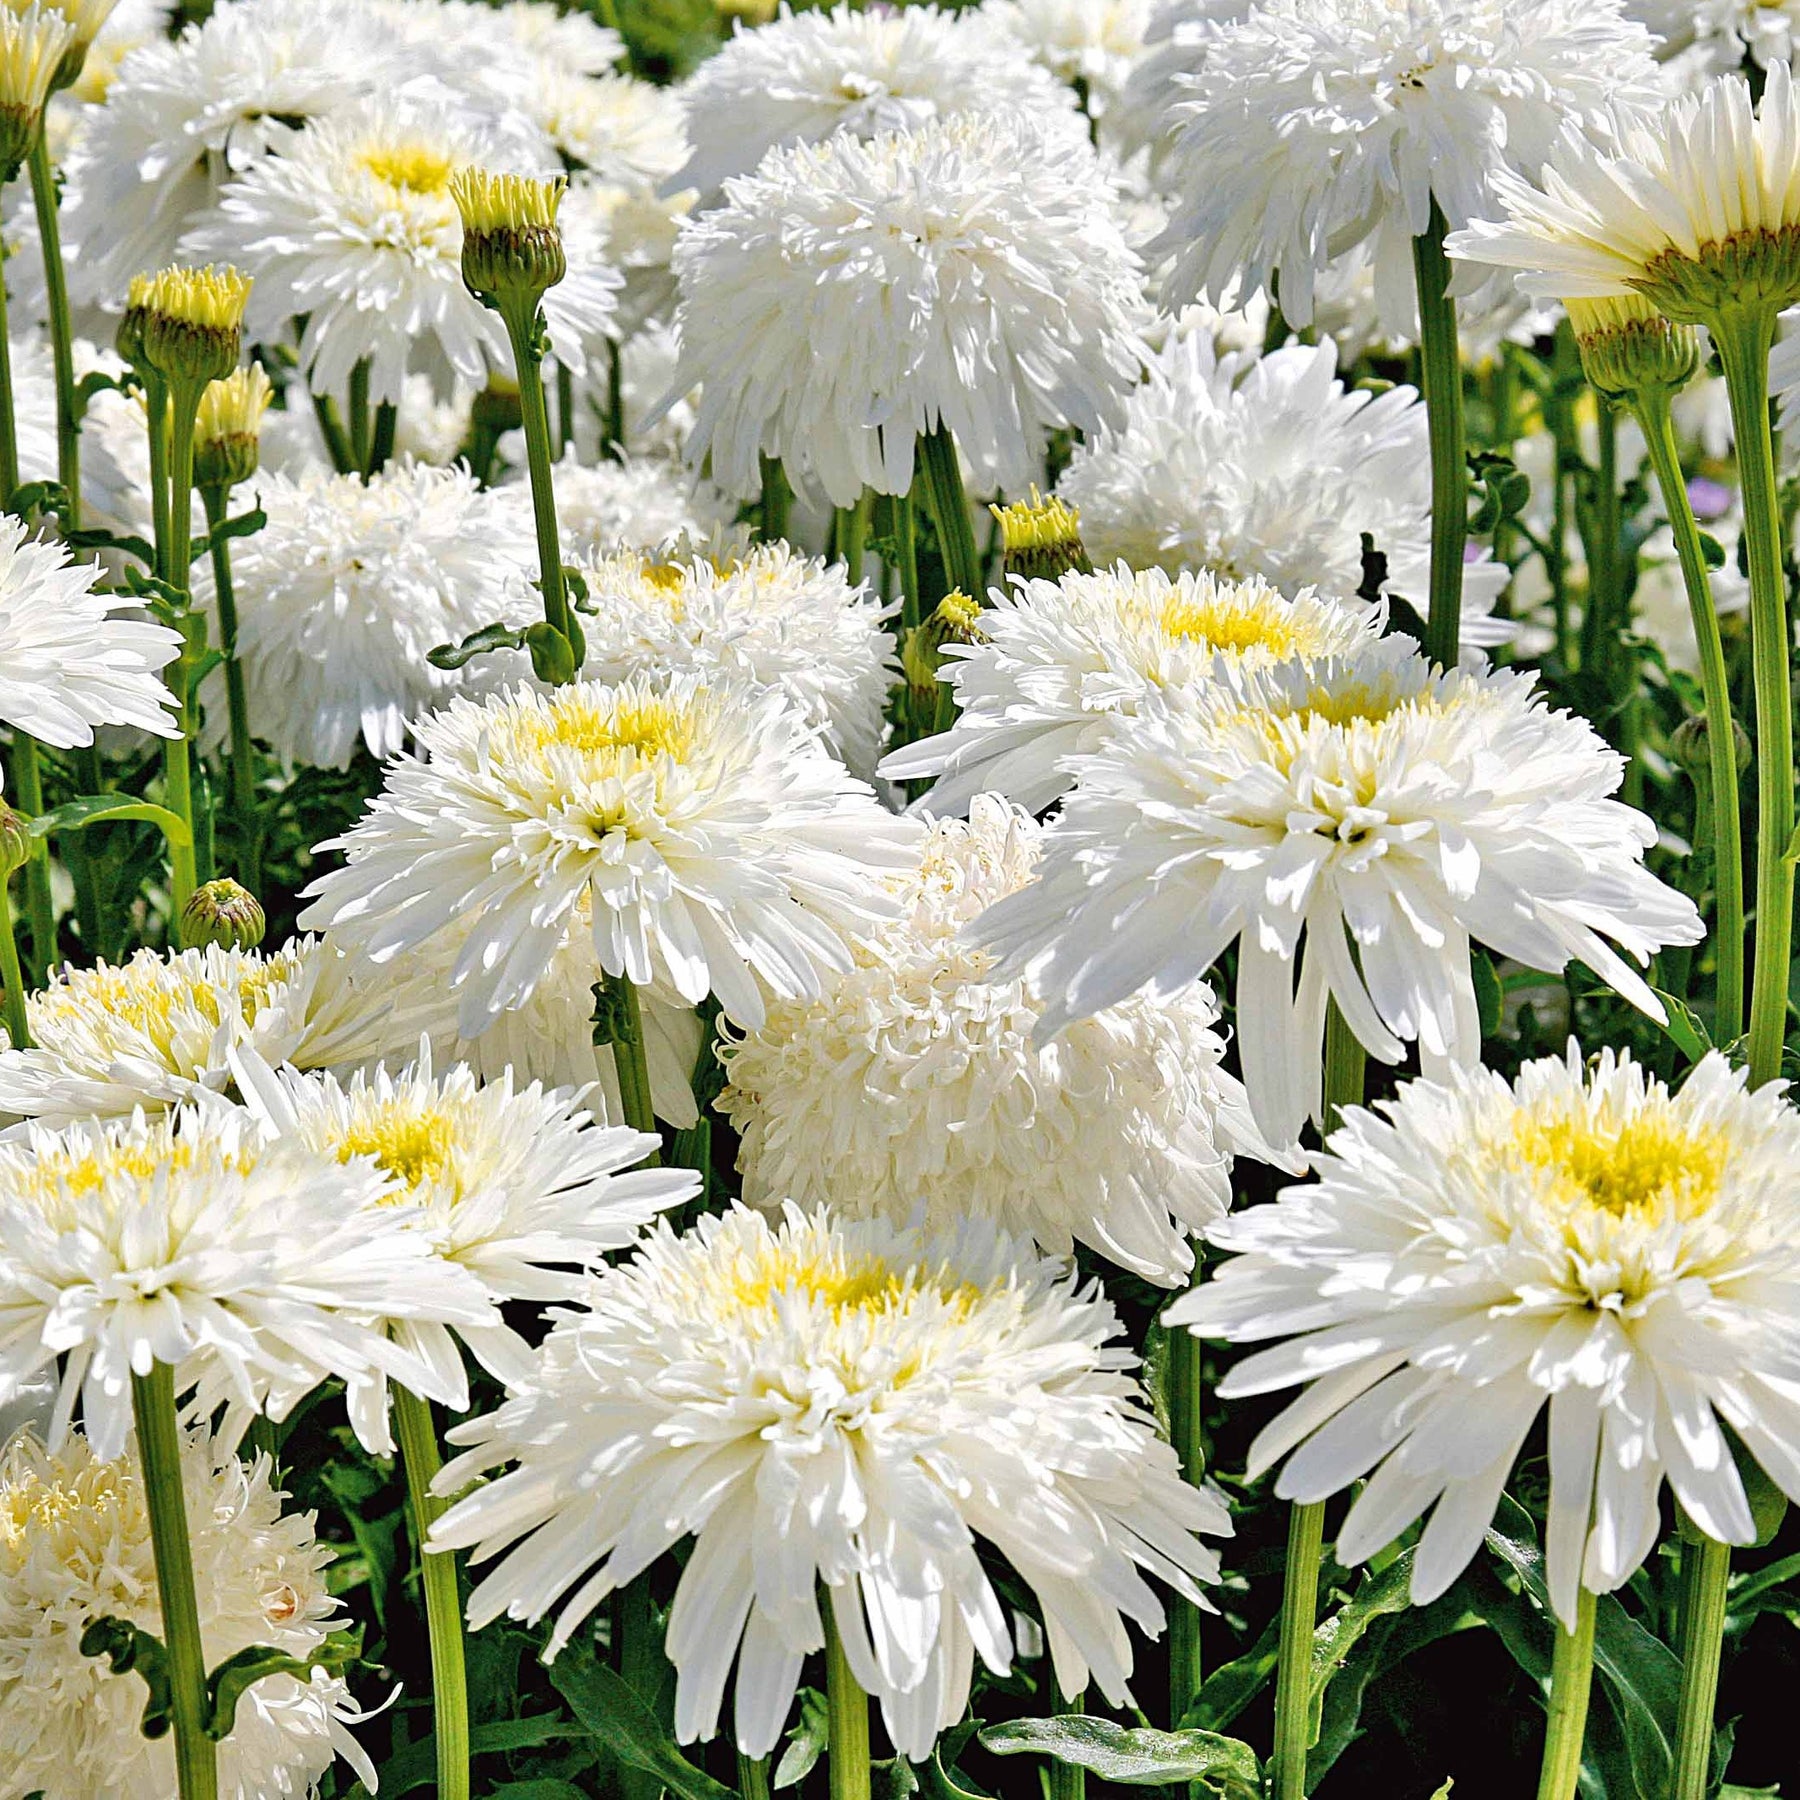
{"x": 913, "y": 1083}
{"x": 811, "y": 75}
{"x": 769, "y": 614}
{"x": 1143, "y": 118}
{"x": 638, "y": 226}
{"x": 1356, "y": 821}
{"x": 850, "y": 296}
{"x": 1058, "y": 659}
{"x": 1091, "y": 44}
{"x": 1308, "y": 126}
{"x": 1267, "y": 465}
{"x": 846, "y": 1404}
{"x": 68, "y": 661}
{"x": 354, "y": 227}
{"x": 616, "y": 128}
{"x": 638, "y": 504}
{"x": 184, "y": 116}
{"x": 1583, "y": 1239}
{"x": 75, "y": 1546}
{"x": 715, "y": 842}
{"x": 157, "y": 1030}
{"x": 348, "y": 586}
{"x": 1712, "y": 37}
{"x": 192, "y": 1241}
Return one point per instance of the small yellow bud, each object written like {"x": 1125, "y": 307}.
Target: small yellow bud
{"x": 85, "y": 18}
{"x": 193, "y": 322}
{"x": 1041, "y": 539}
{"x": 1627, "y": 345}
{"x": 228, "y": 427}
{"x": 222, "y": 913}
{"x": 33, "y": 42}
{"x": 512, "y": 245}
{"x": 956, "y": 620}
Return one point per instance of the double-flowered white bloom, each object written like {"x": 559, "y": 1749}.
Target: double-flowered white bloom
{"x": 1354, "y": 822}
{"x": 1583, "y": 1240}
{"x": 852, "y": 1405}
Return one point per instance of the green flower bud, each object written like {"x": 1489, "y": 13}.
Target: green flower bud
{"x": 222, "y": 913}
{"x": 33, "y": 41}
{"x": 1690, "y": 746}
{"x": 1627, "y": 345}
{"x": 228, "y": 427}
{"x": 193, "y": 323}
{"x": 15, "y": 841}
{"x": 512, "y": 246}
{"x": 1041, "y": 539}
{"x": 955, "y": 621}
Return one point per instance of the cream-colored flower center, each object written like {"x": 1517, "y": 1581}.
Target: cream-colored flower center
{"x": 152, "y": 999}
{"x": 413, "y": 1141}
{"x": 75, "y": 1512}
{"x": 410, "y": 167}
{"x": 1637, "y": 1167}
{"x": 1237, "y": 623}
{"x": 846, "y": 1285}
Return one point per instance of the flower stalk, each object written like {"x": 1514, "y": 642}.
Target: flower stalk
{"x": 14, "y": 848}
{"x": 62, "y": 347}
{"x": 1571, "y": 1684}
{"x": 1440, "y": 381}
{"x": 944, "y": 494}
{"x": 1183, "y": 1398}
{"x": 1702, "y": 1640}
{"x": 847, "y": 1709}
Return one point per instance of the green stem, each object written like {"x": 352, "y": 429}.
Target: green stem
{"x": 237, "y": 704}
{"x": 565, "y": 409}
{"x": 1702, "y": 1638}
{"x": 1743, "y": 341}
{"x": 777, "y": 501}
{"x": 1571, "y": 1682}
{"x": 1182, "y": 1374}
{"x": 950, "y": 511}
{"x": 359, "y": 414}
{"x": 847, "y": 1709}
{"x": 1656, "y": 421}
{"x": 1440, "y": 381}
{"x": 18, "y": 1030}
{"x": 159, "y": 1451}
{"x": 417, "y": 1438}
{"x": 1068, "y": 1781}
{"x": 62, "y": 349}
{"x": 331, "y": 429}
{"x": 753, "y": 1777}
{"x": 912, "y": 601}
{"x": 520, "y": 328}
{"x": 9, "y": 430}
{"x": 40, "y": 909}
{"x": 853, "y": 535}
{"x": 629, "y": 1059}
{"x": 174, "y": 558}
{"x": 614, "y": 445}
{"x": 381, "y": 438}
{"x": 156, "y": 416}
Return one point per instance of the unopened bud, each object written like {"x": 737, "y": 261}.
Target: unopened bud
{"x": 1041, "y": 539}
{"x": 224, "y": 914}
{"x": 33, "y": 42}
{"x": 496, "y": 408}
{"x": 1691, "y": 746}
{"x": 955, "y": 621}
{"x": 1627, "y": 345}
{"x": 228, "y": 427}
{"x": 512, "y": 246}
{"x": 193, "y": 322}
{"x": 15, "y": 841}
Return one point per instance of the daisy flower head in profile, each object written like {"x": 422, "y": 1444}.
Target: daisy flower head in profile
{"x": 75, "y": 1546}
{"x": 1056, "y": 660}
{"x": 1308, "y": 127}
{"x": 1581, "y": 1240}
{"x": 1354, "y": 822}
{"x": 844, "y": 1409}
{"x": 830, "y": 307}
{"x": 694, "y": 827}
{"x": 913, "y": 1084}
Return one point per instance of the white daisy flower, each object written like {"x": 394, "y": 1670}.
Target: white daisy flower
{"x": 68, "y": 662}
{"x": 1584, "y": 1239}
{"x": 190, "y": 1240}
{"x": 638, "y": 226}
{"x": 157, "y": 1031}
{"x": 811, "y": 75}
{"x": 861, "y": 1404}
{"x": 347, "y": 587}
{"x": 1058, "y": 659}
{"x": 717, "y": 844}
{"x": 830, "y": 307}
{"x": 1310, "y": 126}
{"x": 1386, "y": 814}
{"x": 1143, "y": 116}
{"x": 914, "y": 1084}
{"x": 1712, "y": 37}
{"x": 638, "y": 504}
{"x": 767, "y": 613}
{"x": 75, "y": 1546}
{"x": 354, "y": 227}
{"x": 1268, "y": 465}
{"x": 615, "y": 127}
{"x": 1091, "y": 44}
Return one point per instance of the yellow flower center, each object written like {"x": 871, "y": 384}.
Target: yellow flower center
{"x": 1627, "y": 1168}
{"x": 412, "y": 167}
{"x": 1233, "y": 622}
{"x": 647, "y": 725}
{"x": 415, "y": 1144}
{"x": 866, "y": 1285}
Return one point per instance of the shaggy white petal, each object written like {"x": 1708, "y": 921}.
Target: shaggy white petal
{"x": 1092, "y": 44}
{"x": 642, "y": 503}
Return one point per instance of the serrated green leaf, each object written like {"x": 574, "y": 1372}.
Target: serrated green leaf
{"x": 892, "y": 1778}
{"x": 608, "y": 1707}
{"x": 1134, "y": 1756}
{"x": 95, "y": 809}
{"x": 808, "y": 1740}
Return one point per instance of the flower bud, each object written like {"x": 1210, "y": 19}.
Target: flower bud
{"x": 1690, "y": 746}
{"x": 15, "y": 841}
{"x": 85, "y": 19}
{"x": 33, "y": 43}
{"x": 1627, "y": 345}
{"x": 496, "y": 408}
{"x": 193, "y": 323}
{"x": 222, "y": 913}
{"x": 228, "y": 427}
{"x": 512, "y": 246}
{"x": 1041, "y": 539}
{"x": 955, "y": 621}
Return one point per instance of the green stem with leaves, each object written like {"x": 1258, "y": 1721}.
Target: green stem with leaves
{"x": 1571, "y": 1684}
{"x": 1440, "y": 381}
{"x": 847, "y": 1710}
{"x": 1702, "y": 1640}
{"x": 173, "y": 556}
{"x": 522, "y": 331}
{"x": 417, "y": 1439}
{"x": 159, "y": 1451}
{"x": 753, "y": 1777}
{"x": 18, "y": 1030}
{"x": 949, "y": 503}
{"x": 216, "y": 500}
{"x": 62, "y": 347}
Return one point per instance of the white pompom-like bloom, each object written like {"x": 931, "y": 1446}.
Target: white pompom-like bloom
{"x": 354, "y": 227}
{"x": 1310, "y": 126}
{"x": 346, "y": 589}
{"x": 616, "y": 128}
{"x": 183, "y": 116}
{"x": 1058, "y": 659}
{"x": 67, "y": 662}
{"x": 1092, "y": 44}
{"x": 1269, "y": 465}
{"x": 1306, "y": 808}
{"x": 851, "y": 1405}
{"x": 191, "y": 1240}
{"x": 716, "y": 843}
{"x": 812, "y": 75}
{"x": 1583, "y": 1240}
{"x": 1712, "y": 37}
{"x": 156, "y": 1031}
{"x": 768, "y": 614}
{"x": 75, "y": 1546}
{"x": 638, "y": 504}
{"x": 914, "y": 1084}
{"x": 512, "y": 1184}
{"x": 849, "y": 297}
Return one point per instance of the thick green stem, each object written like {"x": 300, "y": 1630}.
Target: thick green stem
{"x": 565, "y": 409}
{"x": 40, "y": 910}
{"x": 777, "y": 501}
{"x": 906, "y": 543}
{"x": 156, "y": 416}
{"x": 416, "y": 1436}
{"x": 1657, "y": 424}
{"x": 853, "y": 535}
{"x": 1743, "y": 341}
{"x": 1571, "y": 1682}
{"x": 359, "y": 414}
{"x": 847, "y": 1709}
{"x": 62, "y": 349}
{"x": 173, "y": 556}
{"x": 9, "y": 429}
{"x": 614, "y": 444}
{"x": 1068, "y": 1781}
{"x": 1440, "y": 381}
{"x": 18, "y": 1031}
{"x": 1182, "y": 1393}
{"x": 331, "y": 430}
{"x": 753, "y": 1777}
{"x": 381, "y": 437}
{"x": 237, "y": 704}
{"x": 159, "y": 1451}
{"x": 950, "y": 511}
{"x": 1702, "y": 1638}
{"x": 535, "y": 417}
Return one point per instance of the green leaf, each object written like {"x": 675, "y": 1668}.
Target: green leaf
{"x": 1231, "y": 1687}
{"x": 244, "y": 525}
{"x": 608, "y": 1706}
{"x": 1712, "y": 552}
{"x": 892, "y": 1778}
{"x": 94, "y": 809}
{"x": 89, "y": 539}
{"x": 1336, "y": 1637}
{"x": 1134, "y": 1756}
{"x": 477, "y": 643}
{"x": 37, "y": 496}
{"x": 236, "y": 1675}
{"x": 807, "y": 1741}
{"x": 1488, "y": 992}
{"x": 129, "y": 1649}
{"x": 416, "y": 1766}
{"x": 541, "y": 1788}
{"x": 1685, "y": 1028}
